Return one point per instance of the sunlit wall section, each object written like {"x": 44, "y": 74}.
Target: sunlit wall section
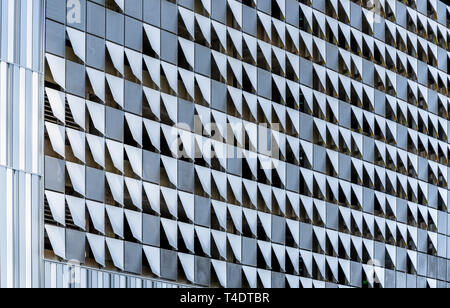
{"x": 21, "y": 28}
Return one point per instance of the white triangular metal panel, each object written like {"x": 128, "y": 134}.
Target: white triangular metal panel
{"x": 204, "y": 237}
{"x": 221, "y": 32}
{"x": 154, "y": 37}
{"x": 135, "y": 125}
{"x": 154, "y": 132}
{"x": 187, "y": 139}
{"x": 77, "y": 107}
{"x": 280, "y": 253}
{"x": 57, "y": 102}
{"x": 320, "y": 262}
{"x": 188, "y": 234}
{"x": 220, "y": 268}
{"x": 220, "y": 209}
{"x": 280, "y": 27}
{"x": 78, "y": 41}
{"x": 266, "y": 251}
{"x": 321, "y": 236}
{"x": 154, "y": 70}
{"x": 153, "y": 256}
{"x": 205, "y": 26}
{"x": 57, "y": 67}
{"x": 252, "y": 191}
{"x": 280, "y": 196}
{"x": 308, "y": 13}
{"x": 57, "y": 137}
{"x": 152, "y": 192}
{"x": 134, "y": 188}
{"x": 170, "y": 165}
{"x": 188, "y": 19}
{"x": 117, "y": 54}
{"x": 221, "y": 183}
{"x": 252, "y": 46}
{"x": 187, "y": 201}
{"x": 97, "y": 113}
{"x": 252, "y": 220}
{"x": 236, "y": 245}
{"x": 294, "y": 201}
{"x": 236, "y": 9}
{"x": 251, "y": 276}
{"x": 117, "y": 87}
{"x": 97, "y": 244}
{"x": 345, "y": 239}
{"x": 77, "y": 175}
{"x": 188, "y": 49}
{"x": 266, "y": 221}
{"x": 188, "y": 265}
{"x": 171, "y": 231}
{"x": 171, "y": 73}
{"x": 97, "y": 214}
{"x": 116, "y": 250}
{"x": 97, "y": 80}
{"x": 294, "y": 35}
{"x": 236, "y": 187}
{"x": 77, "y": 210}
{"x": 236, "y": 67}
{"x": 266, "y": 22}
{"x": 204, "y": 175}
{"x": 77, "y": 143}
{"x": 236, "y": 216}
{"x": 204, "y": 85}
{"x": 171, "y": 200}
{"x": 97, "y": 146}
{"x": 116, "y": 152}
{"x": 116, "y": 185}
{"x": 236, "y": 39}
{"x": 57, "y": 206}
{"x": 116, "y": 218}
{"x": 266, "y": 50}
{"x": 220, "y": 240}
{"x": 266, "y": 193}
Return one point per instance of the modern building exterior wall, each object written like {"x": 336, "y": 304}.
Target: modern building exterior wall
{"x": 224, "y": 143}
{"x": 21, "y": 124}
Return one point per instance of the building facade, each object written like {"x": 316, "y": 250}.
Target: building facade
{"x": 224, "y": 143}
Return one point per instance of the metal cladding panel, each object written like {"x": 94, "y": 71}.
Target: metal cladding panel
{"x": 21, "y": 120}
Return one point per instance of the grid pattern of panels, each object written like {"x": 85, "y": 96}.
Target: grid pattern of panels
{"x": 269, "y": 143}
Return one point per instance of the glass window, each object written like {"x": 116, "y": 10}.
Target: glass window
{"x": 55, "y": 177}
{"x": 95, "y": 53}
{"x": 95, "y": 184}
{"x": 133, "y": 97}
{"x": 114, "y": 124}
{"x": 152, "y": 12}
{"x": 75, "y": 78}
{"x": 169, "y": 47}
{"x": 202, "y": 60}
{"x": 151, "y": 167}
{"x": 134, "y": 8}
{"x": 96, "y": 19}
{"x": 185, "y": 176}
{"x": 114, "y": 27}
{"x": 55, "y": 39}
{"x": 56, "y": 10}
{"x": 133, "y": 34}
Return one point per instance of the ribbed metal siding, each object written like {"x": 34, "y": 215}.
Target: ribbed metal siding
{"x": 62, "y": 275}
{"x": 21, "y": 83}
